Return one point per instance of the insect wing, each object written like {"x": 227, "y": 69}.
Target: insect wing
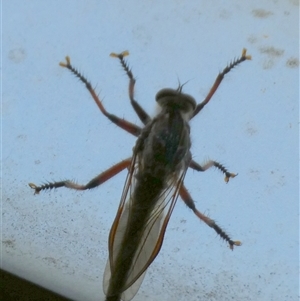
{"x": 152, "y": 236}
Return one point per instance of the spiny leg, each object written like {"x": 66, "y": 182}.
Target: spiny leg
{"x": 125, "y": 125}
{"x": 144, "y": 117}
{"x": 98, "y": 180}
{"x": 219, "y": 79}
{"x": 186, "y": 197}
{"x": 196, "y": 166}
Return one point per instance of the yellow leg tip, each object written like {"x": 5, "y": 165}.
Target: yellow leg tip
{"x": 120, "y": 55}
{"x": 33, "y": 186}
{"x": 68, "y": 62}
{"x": 228, "y": 176}
{"x": 235, "y": 243}
{"x": 244, "y": 54}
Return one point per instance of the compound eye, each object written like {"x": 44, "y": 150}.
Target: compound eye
{"x": 175, "y": 100}
{"x": 165, "y": 93}
{"x": 191, "y": 102}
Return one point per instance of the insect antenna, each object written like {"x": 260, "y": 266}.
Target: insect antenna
{"x": 180, "y": 86}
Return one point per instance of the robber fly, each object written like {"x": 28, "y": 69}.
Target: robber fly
{"x": 155, "y": 179}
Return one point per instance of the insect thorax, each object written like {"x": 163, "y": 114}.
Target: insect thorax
{"x": 163, "y": 147}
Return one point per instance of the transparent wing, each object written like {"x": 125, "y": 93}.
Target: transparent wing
{"x": 151, "y": 238}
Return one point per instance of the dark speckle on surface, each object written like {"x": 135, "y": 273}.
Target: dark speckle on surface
{"x": 261, "y": 13}
{"x": 272, "y": 54}
{"x": 272, "y": 51}
{"x": 17, "y": 55}
{"x": 292, "y": 62}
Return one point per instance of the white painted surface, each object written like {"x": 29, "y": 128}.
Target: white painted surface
{"x": 52, "y": 130}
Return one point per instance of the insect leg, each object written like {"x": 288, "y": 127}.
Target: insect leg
{"x": 219, "y": 79}
{"x": 98, "y": 180}
{"x": 144, "y": 117}
{"x": 125, "y": 125}
{"x": 186, "y": 197}
{"x": 196, "y": 166}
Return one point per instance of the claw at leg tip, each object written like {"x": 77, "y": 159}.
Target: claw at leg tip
{"x": 235, "y": 243}
{"x": 244, "y": 54}
{"x": 68, "y": 62}
{"x": 33, "y": 186}
{"x": 120, "y": 55}
{"x": 230, "y": 175}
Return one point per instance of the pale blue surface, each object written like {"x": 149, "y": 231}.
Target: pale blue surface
{"x": 52, "y": 130}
